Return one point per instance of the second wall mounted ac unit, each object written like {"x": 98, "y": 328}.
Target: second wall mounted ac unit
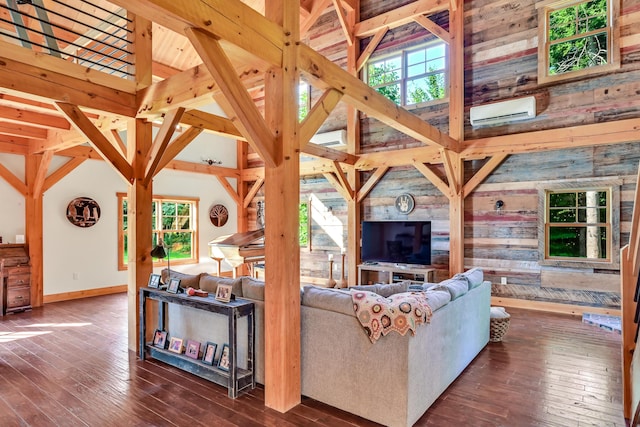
{"x": 503, "y": 112}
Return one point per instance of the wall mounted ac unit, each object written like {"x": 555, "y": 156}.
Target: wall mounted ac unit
{"x": 504, "y": 112}
{"x": 336, "y": 138}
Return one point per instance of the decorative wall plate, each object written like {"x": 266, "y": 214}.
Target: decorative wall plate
{"x": 405, "y": 203}
{"x": 83, "y": 212}
{"x": 218, "y": 215}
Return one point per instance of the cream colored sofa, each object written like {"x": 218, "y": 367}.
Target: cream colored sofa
{"x": 392, "y": 381}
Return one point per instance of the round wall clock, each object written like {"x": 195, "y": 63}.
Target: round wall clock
{"x": 405, "y": 203}
{"x": 218, "y": 215}
{"x": 83, "y": 212}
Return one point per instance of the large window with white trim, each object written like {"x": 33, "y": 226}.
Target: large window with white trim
{"x": 174, "y": 221}
{"x": 411, "y": 76}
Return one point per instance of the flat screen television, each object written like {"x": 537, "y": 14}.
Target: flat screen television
{"x": 402, "y": 242}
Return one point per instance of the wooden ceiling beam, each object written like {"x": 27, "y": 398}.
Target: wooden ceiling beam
{"x": 20, "y": 115}
{"x": 97, "y": 140}
{"x": 47, "y": 77}
{"x": 329, "y": 153}
{"x": 61, "y": 172}
{"x": 13, "y": 180}
{"x": 212, "y": 123}
{"x": 433, "y": 28}
{"x": 23, "y": 130}
{"x": 399, "y": 16}
{"x": 43, "y": 166}
{"x": 190, "y": 88}
{"x": 252, "y": 192}
{"x": 342, "y": 18}
{"x": 241, "y": 108}
{"x": 433, "y": 178}
{"x": 617, "y": 132}
{"x": 371, "y": 47}
{"x": 401, "y": 157}
{"x": 318, "y": 114}
{"x": 178, "y": 144}
{"x": 161, "y": 142}
{"x": 366, "y": 99}
{"x": 228, "y": 20}
{"x": 483, "y": 173}
{"x": 371, "y": 182}
{"x": 319, "y": 6}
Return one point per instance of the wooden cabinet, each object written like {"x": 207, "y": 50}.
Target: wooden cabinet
{"x": 392, "y": 273}
{"x": 15, "y": 276}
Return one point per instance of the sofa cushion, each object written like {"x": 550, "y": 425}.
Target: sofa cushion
{"x": 474, "y": 277}
{"x": 252, "y": 288}
{"x": 336, "y": 300}
{"x": 437, "y": 299}
{"x": 210, "y": 284}
{"x": 186, "y": 280}
{"x": 455, "y": 287}
{"x": 385, "y": 290}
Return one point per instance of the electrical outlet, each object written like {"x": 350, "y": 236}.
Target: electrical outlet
{"x": 503, "y": 280}
{"x": 75, "y": 276}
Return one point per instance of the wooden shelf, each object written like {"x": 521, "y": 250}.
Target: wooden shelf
{"x": 236, "y": 379}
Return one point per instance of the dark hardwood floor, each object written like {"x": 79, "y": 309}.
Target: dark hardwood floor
{"x": 67, "y": 364}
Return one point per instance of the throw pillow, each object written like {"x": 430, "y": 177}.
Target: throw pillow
{"x": 210, "y": 283}
{"x": 186, "y": 280}
{"x": 437, "y": 299}
{"x": 475, "y": 276}
{"x": 456, "y": 287}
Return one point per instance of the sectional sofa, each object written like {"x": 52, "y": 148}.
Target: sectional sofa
{"x": 392, "y": 381}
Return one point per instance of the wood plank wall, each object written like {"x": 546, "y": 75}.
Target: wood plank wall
{"x": 500, "y": 63}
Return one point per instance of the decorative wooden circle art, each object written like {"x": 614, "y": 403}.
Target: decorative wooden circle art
{"x": 218, "y": 215}
{"x": 405, "y": 203}
{"x": 83, "y": 212}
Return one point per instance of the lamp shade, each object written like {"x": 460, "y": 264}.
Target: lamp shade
{"x": 159, "y": 252}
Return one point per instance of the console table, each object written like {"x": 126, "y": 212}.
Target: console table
{"x": 236, "y": 379}
{"x": 397, "y": 272}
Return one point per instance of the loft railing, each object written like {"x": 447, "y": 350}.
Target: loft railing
{"x": 91, "y": 33}
{"x": 630, "y": 289}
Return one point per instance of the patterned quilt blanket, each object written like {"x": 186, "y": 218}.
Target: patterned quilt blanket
{"x": 400, "y": 312}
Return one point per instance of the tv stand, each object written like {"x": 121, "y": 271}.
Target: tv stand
{"x": 392, "y": 273}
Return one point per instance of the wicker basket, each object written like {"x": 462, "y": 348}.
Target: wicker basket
{"x": 498, "y": 327}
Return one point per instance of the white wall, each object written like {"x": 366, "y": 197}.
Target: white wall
{"x": 77, "y": 259}
{"x": 12, "y": 219}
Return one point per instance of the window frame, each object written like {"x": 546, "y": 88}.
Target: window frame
{"x": 612, "y": 187}
{"x": 544, "y": 44}
{"x": 404, "y": 79}
{"x": 194, "y": 220}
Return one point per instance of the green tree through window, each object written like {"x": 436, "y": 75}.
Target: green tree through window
{"x": 411, "y": 77}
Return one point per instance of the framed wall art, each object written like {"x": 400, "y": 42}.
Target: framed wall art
{"x": 83, "y": 212}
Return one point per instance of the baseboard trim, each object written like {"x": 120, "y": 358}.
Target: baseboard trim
{"x": 552, "y": 307}
{"x": 66, "y": 296}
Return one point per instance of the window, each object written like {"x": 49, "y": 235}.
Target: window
{"x": 304, "y": 224}
{"x": 304, "y": 100}
{"x": 174, "y": 220}
{"x": 411, "y": 76}
{"x": 577, "y": 38}
{"x": 580, "y": 226}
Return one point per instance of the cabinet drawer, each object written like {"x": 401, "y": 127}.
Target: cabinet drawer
{"x": 18, "y": 297}
{"x": 18, "y": 280}
{"x": 19, "y": 269}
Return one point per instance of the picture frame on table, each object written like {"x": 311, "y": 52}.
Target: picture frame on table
{"x": 174, "y": 285}
{"x": 154, "y": 281}
{"x": 223, "y": 293}
{"x": 223, "y": 363}
{"x": 175, "y": 345}
{"x": 209, "y": 353}
{"x": 192, "y": 349}
{"x": 160, "y": 339}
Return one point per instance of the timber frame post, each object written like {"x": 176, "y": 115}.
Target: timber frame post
{"x": 282, "y": 194}
{"x": 140, "y": 196}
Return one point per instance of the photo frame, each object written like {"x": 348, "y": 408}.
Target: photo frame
{"x": 174, "y": 285}
{"x": 192, "y": 349}
{"x": 209, "y": 353}
{"x": 154, "y": 281}
{"x": 223, "y": 363}
{"x": 223, "y": 293}
{"x": 160, "y": 339}
{"x": 175, "y": 345}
